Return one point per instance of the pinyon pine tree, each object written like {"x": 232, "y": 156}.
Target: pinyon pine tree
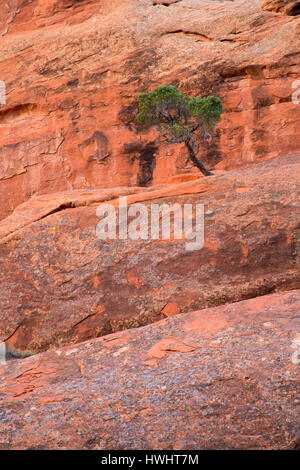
{"x": 179, "y": 117}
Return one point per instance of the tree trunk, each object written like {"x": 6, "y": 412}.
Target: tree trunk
{"x": 190, "y": 145}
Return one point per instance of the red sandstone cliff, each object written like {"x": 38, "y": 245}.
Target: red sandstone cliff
{"x": 73, "y": 71}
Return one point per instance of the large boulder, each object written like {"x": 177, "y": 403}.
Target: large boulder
{"x": 221, "y": 378}
{"x": 73, "y": 70}
{"x": 60, "y": 284}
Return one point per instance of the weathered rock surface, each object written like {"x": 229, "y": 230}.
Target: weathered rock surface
{"x": 287, "y": 7}
{"x": 221, "y": 378}
{"x": 60, "y": 284}
{"x": 73, "y": 70}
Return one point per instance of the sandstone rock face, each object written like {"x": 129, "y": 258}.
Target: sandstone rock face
{"x": 229, "y": 373}
{"x": 73, "y": 70}
{"x": 60, "y": 284}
